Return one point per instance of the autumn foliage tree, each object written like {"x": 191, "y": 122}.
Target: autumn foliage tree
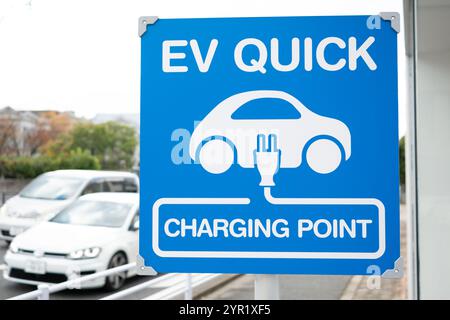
{"x": 24, "y": 133}
{"x": 8, "y": 145}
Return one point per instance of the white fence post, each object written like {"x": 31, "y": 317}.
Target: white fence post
{"x": 188, "y": 292}
{"x": 44, "y": 292}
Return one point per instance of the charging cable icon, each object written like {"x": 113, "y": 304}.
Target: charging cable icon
{"x": 267, "y": 158}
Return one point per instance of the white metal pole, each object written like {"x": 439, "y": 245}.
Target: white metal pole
{"x": 188, "y": 292}
{"x": 44, "y": 292}
{"x": 411, "y": 156}
{"x": 267, "y": 287}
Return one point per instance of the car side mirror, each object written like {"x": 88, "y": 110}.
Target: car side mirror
{"x": 135, "y": 226}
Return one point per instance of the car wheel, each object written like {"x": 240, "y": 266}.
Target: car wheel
{"x": 216, "y": 156}
{"x": 117, "y": 280}
{"x": 323, "y": 156}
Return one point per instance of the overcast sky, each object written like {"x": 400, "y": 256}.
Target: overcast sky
{"x": 83, "y": 55}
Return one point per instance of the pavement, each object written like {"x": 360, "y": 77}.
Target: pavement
{"x": 291, "y": 288}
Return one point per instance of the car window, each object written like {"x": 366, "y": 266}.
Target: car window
{"x": 93, "y": 187}
{"x": 130, "y": 185}
{"x": 266, "y": 108}
{"x": 106, "y": 186}
{"x": 51, "y": 188}
{"x": 116, "y": 185}
{"x": 94, "y": 213}
{"x": 120, "y": 185}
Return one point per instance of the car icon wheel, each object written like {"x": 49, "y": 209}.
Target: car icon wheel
{"x": 323, "y": 156}
{"x": 216, "y": 156}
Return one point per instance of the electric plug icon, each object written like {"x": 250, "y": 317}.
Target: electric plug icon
{"x": 267, "y": 158}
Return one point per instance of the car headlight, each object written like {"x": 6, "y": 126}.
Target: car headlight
{"x": 88, "y": 253}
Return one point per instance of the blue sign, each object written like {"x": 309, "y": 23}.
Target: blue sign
{"x": 269, "y": 145}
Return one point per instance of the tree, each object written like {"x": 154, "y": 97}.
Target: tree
{"x": 25, "y": 133}
{"x": 58, "y": 122}
{"x": 8, "y": 143}
{"x": 36, "y": 137}
{"x": 112, "y": 143}
{"x": 402, "y": 160}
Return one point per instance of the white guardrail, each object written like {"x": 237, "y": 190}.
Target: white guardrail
{"x": 181, "y": 286}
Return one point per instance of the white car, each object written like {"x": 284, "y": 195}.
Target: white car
{"x": 95, "y": 233}
{"x": 50, "y": 192}
{"x": 231, "y": 129}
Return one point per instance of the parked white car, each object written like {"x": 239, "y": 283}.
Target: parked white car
{"x": 95, "y": 233}
{"x": 51, "y": 192}
{"x": 228, "y": 133}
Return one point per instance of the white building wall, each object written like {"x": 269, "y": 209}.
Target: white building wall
{"x": 433, "y": 148}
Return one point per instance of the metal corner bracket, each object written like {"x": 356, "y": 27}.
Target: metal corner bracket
{"x": 142, "y": 270}
{"x": 144, "y": 22}
{"x": 397, "y": 272}
{"x": 394, "y": 17}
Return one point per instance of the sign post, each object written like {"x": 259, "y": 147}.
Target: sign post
{"x": 270, "y": 146}
{"x": 267, "y": 287}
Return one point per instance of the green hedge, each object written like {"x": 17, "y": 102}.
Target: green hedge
{"x": 30, "y": 167}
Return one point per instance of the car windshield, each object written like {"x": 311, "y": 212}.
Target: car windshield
{"x": 52, "y": 188}
{"x": 94, "y": 213}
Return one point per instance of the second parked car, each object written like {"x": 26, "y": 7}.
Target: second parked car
{"x": 53, "y": 191}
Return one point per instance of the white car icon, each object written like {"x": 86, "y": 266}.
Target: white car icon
{"x": 225, "y": 136}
